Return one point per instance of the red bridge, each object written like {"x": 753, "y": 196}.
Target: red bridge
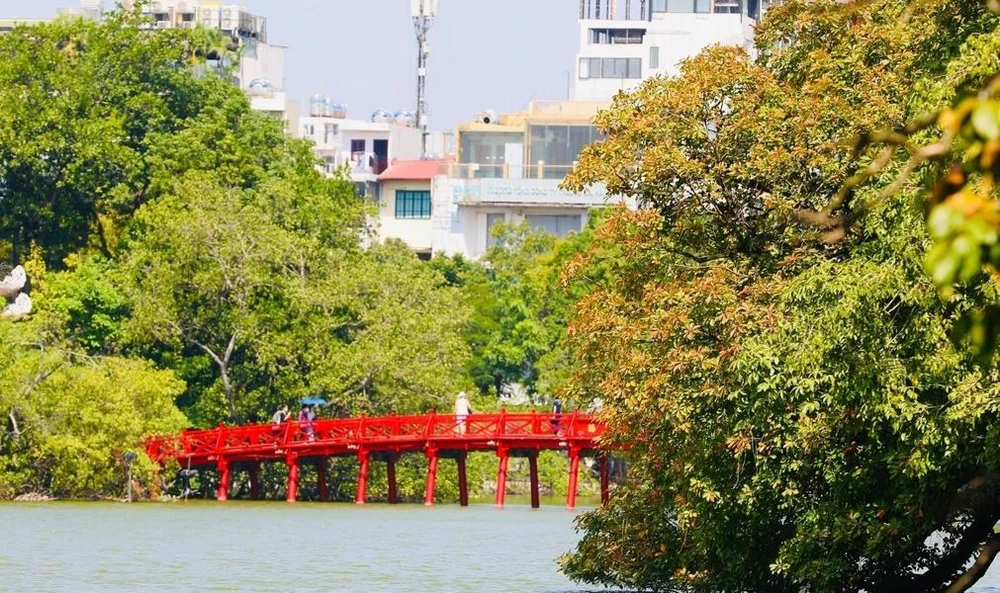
{"x": 386, "y": 438}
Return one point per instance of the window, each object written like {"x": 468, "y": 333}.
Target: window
{"x": 413, "y": 204}
{"x": 634, "y": 68}
{"x": 330, "y": 131}
{"x": 702, "y": 6}
{"x": 728, "y": 6}
{"x": 558, "y": 146}
{"x": 357, "y": 146}
{"x": 559, "y": 225}
{"x": 610, "y": 68}
{"x": 617, "y": 36}
{"x": 492, "y": 219}
{"x": 680, "y": 5}
{"x": 654, "y": 57}
{"x": 659, "y": 5}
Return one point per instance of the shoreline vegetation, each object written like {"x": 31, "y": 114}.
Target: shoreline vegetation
{"x": 188, "y": 264}
{"x": 795, "y": 338}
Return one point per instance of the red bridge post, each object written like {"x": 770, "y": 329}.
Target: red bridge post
{"x": 502, "y": 477}
{"x": 432, "y": 468}
{"x": 223, "y": 466}
{"x": 255, "y": 481}
{"x": 359, "y": 497}
{"x": 292, "y": 493}
{"x": 321, "y": 483}
{"x": 533, "y": 470}
{"x": 391, "y": 471}
{"x": 463, "y": 480}
{"x": 574, "y": 471}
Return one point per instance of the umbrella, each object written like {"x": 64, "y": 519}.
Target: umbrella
{"x": 314, "y": 401}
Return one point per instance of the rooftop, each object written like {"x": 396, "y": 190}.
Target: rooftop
{"x": 422, "y": 170}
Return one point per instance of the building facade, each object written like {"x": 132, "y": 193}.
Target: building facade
{"x": 364, "y": 147}
{"x": 261, "y": 68}
{"x": 509, "y": 170}
{"x": 633, "y": 40}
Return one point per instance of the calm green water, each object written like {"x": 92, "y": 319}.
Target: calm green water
{"x": 273, "y": 546}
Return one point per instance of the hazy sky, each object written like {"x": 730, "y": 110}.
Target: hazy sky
{"x": 485, "y": 54}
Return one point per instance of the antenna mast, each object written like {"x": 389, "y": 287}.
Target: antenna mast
{"x": 423, "y": 12}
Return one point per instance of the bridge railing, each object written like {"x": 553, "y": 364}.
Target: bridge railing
{"x": 371, "y": 432}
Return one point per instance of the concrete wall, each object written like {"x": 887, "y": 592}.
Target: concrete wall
{"x": 417, "y": 233}
{"x": 677, "y": 36}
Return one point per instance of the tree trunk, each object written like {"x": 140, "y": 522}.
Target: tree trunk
{"x": 983, "y": 561}
{"x": 223, "y": 363}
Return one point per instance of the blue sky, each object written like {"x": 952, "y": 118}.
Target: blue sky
{"x": 485, "y": 54}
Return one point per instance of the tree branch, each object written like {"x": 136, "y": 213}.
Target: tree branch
{"x": 983, "y": 561}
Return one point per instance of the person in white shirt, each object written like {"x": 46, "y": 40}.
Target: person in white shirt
{"x": 462, "y": 411}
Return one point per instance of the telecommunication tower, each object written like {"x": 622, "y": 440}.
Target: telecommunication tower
{"x": 423, "y": 12}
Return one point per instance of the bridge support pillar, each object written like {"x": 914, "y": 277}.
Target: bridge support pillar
{"x": 292, "y": 490}
{"x": 574, "y": 474}
{"x": 359, "y": 497}
{"x": 432, "y": 468}
{"x": 605, "y": 478}
{"x": 463, "y": 480}
{"x": 255, "y": 481}
{"x": 321, "y": 483}
{"x": 502, "y": 477}
{"x": 223, "y": 493}
{"x": 391, "y": 471}
{"x": 533, "y": 471}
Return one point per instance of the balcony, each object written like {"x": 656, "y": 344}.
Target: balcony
{"x": 506, "y": 171}
{"x": 535, "y": 185}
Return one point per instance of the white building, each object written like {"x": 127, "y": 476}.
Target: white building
{"x": 633, "y": 40}
{"x": 509, "y": 170}
{"x": 261, "y": 69}
{"x": 365, "y": 147}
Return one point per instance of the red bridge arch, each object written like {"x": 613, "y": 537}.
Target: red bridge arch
{"x": 386, "y": 438}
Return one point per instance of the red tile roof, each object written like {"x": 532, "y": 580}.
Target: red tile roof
{"x": 422, "y": 170}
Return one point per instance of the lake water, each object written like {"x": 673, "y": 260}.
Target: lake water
{"x": 276, "y": 547}
{"x": 273, "y": 546}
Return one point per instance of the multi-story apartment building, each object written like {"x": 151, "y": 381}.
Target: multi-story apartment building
{"x": 365, "y": 147}
{"x": 261, "y": 68}
{"x": 509, "y": 169}
{"x": 621, "y": 48}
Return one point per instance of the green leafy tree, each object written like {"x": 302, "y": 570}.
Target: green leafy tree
{"x": 795, "y": 415}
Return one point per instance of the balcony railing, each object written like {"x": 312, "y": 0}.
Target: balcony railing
{"x": 538, "y": 170}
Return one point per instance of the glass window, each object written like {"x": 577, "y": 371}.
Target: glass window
{"x": 488, "y": 150}
{"x": 492, "y": 219}
{"x": 559, "y": 225}
{"x": 634, "y": 68}
{"x": 584, "y": 68}
{"x": 702, "y": 5}
{"x": 659, "y": 5}
{"x": 680, "y": 5}
{"x": 595, "y": 67}
{"x": 357, "y": 146}
{"x": 654, "y": 57}
{"x": 413, "y": 204}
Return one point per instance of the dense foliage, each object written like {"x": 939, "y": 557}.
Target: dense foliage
{"x": 185, "y": 255}
{"x": 777, "y": 365}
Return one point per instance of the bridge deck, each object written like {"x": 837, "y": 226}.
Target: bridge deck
{"x": 387, "y": 437}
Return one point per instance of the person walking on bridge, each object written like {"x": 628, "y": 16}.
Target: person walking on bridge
{"x": 462, "y": 411}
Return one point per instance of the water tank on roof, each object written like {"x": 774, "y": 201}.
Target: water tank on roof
{"x": 381, "y": 116}
{"x": 316, "y": 103}
{"x": 339, "y": 110}
{"x": 404, "y": 118}
{"x": 327, "y": 107}
{"x": 259, "y": 86}
{"x": 487, "y": 117}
